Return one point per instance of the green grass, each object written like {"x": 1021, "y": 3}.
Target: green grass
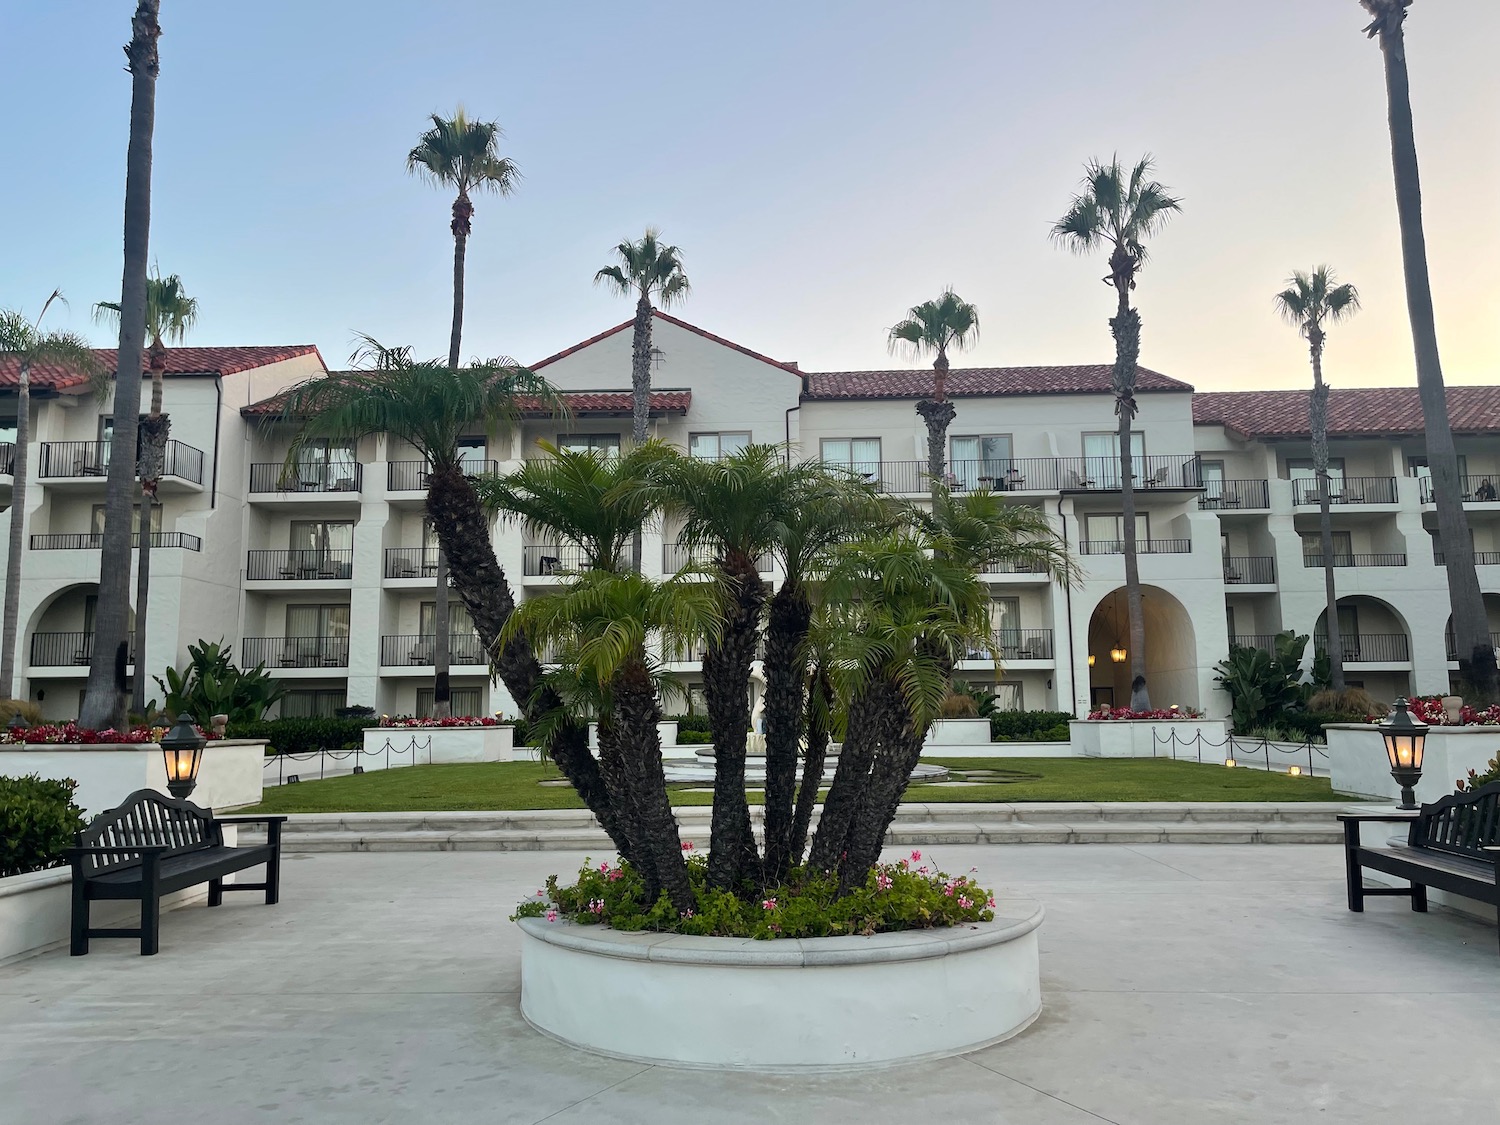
{"x": 505, "y": 786}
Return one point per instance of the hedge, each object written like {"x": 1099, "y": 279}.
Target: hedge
{"x": 304, "y": 735}
{"x": 1029, "y": 726}
{"x": 38, "y": 819}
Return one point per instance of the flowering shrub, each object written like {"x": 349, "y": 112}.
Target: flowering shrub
{"x": 412, "y": 722}
{"x": 907, "y": 895}
{"x": 74, "y": 734}
{"x": 1173, "y": 712}
{"x": 1429, "y": 709}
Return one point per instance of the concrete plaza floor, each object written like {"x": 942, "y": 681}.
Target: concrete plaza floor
{"x": 1201, "y": 985}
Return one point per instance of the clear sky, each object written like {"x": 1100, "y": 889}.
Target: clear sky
{"x": 823, "y": 164}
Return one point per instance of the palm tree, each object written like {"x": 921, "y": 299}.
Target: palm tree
{"x": 933, "y": 328}
{"x": 650, "y": 271}
{"x": 1476, "y": 656}
{"x": 31, "y": 346}
{"x": 104, "y": 697}
{"x": 1310, "y": 301}
{"x": 1121, "y": 210}
{"x": 170, "y": 312}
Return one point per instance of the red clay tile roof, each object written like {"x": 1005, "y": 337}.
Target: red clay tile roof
{"x": 1352, "y": 412}
{"x": 969, "y": 382}
{"x": 180, "y": 361}
{"x": 579, "y": 402}
{"x": 608, "y": 332}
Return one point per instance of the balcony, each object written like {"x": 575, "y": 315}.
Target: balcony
{"x": 89, "y": 460}
{"x": 677, "y": 556}
{"x": 1388, "y": 558}
{"x": 411, "y": 562}
{"x": 295, "y": 652}
{"x": 1370, "y": 648}
{"x": 1235, "y": 495}
{"x": 1266, "y": 641}
{"x": 337, "y": 477}
{"x": 1250, "y": 570}
{"x": 411, "y": 476}
{"x": 301, "y": 565}
{"x": 1018, "y": 644}
{"x": 63, "y": 650}
{"x": 1471, "y": 489}
{"x": 1032, "y": 567}
{"x": 93, "y": 541}
{"x": 541, "y": 559}
{"x": 415, "y": 651}
{"x": 1481, "y": 558}
{"x": 1349, "y": 490}
{"x": 1142, "y": 546}
{"x": 1165, "y": 471}
{"x": 7, "y": 459}
{"x": 1449, "y": 641}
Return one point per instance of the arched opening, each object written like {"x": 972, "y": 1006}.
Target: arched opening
{"x": 1491, "y": 611}
{"x": 1376, "y": 642}
{"x": 57, "y": 646}
{"x": 1171, "y": 651}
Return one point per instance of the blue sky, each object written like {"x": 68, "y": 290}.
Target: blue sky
{"x": 823, "y": 165}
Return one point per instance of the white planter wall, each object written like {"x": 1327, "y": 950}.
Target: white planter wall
{"x": 957, "y": 733}
{"x": 410, "y": 746}
{"x": 228, "y": 777}
{"x": 1146, "y": 738}
{"x": 1358, "y": 763}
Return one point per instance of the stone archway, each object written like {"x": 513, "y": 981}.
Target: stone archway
{"x": 1171, "y": 650}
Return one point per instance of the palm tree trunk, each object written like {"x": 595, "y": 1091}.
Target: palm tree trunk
{"x": 152, "y": 465}
{"x": 105, "y": 696}
{"x": 17, "y": 533}
{"x": 1476, "y": 656}
{"x": 442, "y": 693}
{"x": 726, "y": 685}
{"x": 786, "y": 689}
{"x": 819, "y": 706}
{"x": 874, "y": 720}
{"x": 463, "y": 212}
{"x": 640, "y": 395}
{"x": 1126, "y": 327}
{"x": 620, "y": 784}
{"x": 891, "y": 773}
{"x": 142, "y": 586}
{"x": 1318, "y": 424}
{"x": 938, "y": 413}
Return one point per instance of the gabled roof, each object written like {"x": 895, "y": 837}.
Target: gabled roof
{"x": 582, "y": 404}
{"x": 1352, "y": 412}
{"x": 970, "y": 382}
{"x": 790, "y": 368}
{"x": 180, "y": 361}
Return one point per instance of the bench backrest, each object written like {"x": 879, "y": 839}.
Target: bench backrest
{"x": 1460, "y": 824}
{"x": 147, "y": 819}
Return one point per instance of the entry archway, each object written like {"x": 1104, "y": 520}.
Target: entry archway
{"x": 1171, "y": 650}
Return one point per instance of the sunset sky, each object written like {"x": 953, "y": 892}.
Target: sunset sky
{"x": 823, "y": 165}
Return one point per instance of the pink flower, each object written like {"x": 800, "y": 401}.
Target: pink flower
{"x": 948, "y": 888}
{"x": 922, "y": 870}
{"x": 768, "y": 904}
{"x": 687, "y": 845}
{"x": 991, "y": 903}
{"x": 903, "y": 865}
{"x": 604, "y": 869}
{"x": 616, "y": 874}
{"x": 552, "y": 914}
{"x": 687, "y": 913}
{"x": 916, "y": 857}
{"x": 883, "y": 882}
{"x": 596, "y": 906}
{"x": 539, "y": 893}
{"x": 964, "y": 902}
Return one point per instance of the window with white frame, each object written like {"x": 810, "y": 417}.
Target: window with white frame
{"x": 710, "y": 447}
{"x": 312, "y": 703}
{"x": 1105, "y": 531}
{"x": 1009, "y": 696}
{"x": 1101, "y": 457}
{"x": 606, "y": 445}
{"x": 859, "y": 455}
{"x": 462, "y": 701}
{"x": 981, "y": 459}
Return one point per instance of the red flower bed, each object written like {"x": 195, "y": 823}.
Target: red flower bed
{"x": 75, "y": 735}
{"x": 1429, "y": 709}
{"x": 411, "y": 721}
{"x": 1159, "y": 713}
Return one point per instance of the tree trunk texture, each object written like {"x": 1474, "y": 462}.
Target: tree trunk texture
{"x": 19, "y": 475}
{"x": 1126, "y": 328}
{"x": 156, "y": 428}
{"x": 938, "y": 416}
{"x": 617, "y": 780}
{"x": 142, "y": 591}
{"x": 1476, "y": 655}
{"x": 875, "y": 717}
{"x": 732, "y": 855}
{"x": 442, "y": 692}
{"x": 786, "y": 687}
{"x": 1317, "y": 416}
{"x": 894, "y": 761}
{"x": 105, "y": 696}
{"x": 463, "y": 213}
{"x": 640, "y": 397}
{"x": 463, "y": 531}
{"x": 819, "y": 706}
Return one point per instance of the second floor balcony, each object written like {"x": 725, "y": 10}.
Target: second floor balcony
{"x": 411, "y": 562}
{"x": 335, "y": 477}
{"x": 305, "y": 564}
{"x": 1345, "y": 491}
{"x": 417, "y": 650}
{"x": 88, "y": 461}
{"x": 1033, "y": 474}
{"x": 1481, "y": 558}
{"x": 94, "y": 540}
{"x": 1379, "y": 558}
{"x": 1250, "y": 570}
{"x": 64, "y": 650}
{"x": 295, "y": 652}
{"x": 1452, "y": 644}
{"x": 1017, "y": 644}
{"x": 678, "y": 556}
{"x": 1235, "y": 495}
{"x": 411, "y": 476}
{"x": 1472, "y": 489}
{"x": 540, "y": 560}
{"x": 1143, "y": 546}
{"x": 1369, "y": 648}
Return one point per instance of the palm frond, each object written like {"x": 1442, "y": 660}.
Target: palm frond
{"x": 649, "y": 268}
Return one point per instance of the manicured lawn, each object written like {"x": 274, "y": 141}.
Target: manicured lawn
{"x": 518, "y": 785}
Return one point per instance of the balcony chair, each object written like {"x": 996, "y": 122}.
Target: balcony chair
{"x": 1158, "y": 478}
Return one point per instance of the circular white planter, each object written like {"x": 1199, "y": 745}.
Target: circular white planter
{"x": 813, "y": 1003}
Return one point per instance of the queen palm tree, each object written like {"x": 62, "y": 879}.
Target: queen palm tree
{"x": 1310, "y": 301}
{"x": 648, "y": 270}
{"x": 170, "y": 312}
{"x": 463, "y": 155}
{"x": 934, "y": 328}
{"x": 31, "y": 346}
{"x": 1476, "y": 655}
{"x": 1120, "y": 210}
{"x": 104, "y": 696}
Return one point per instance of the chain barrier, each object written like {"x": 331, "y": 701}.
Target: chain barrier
{"x": 323, "y": 757}
{"x": 1234, "y": 747}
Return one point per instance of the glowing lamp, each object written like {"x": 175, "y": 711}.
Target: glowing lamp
{"x": 1091, "y": 660}
{"x": 1230, "y": 763}
{"x": 1405, "y": 742}
{"x": 182, "y": 749}
{"x": 1118, "y": 654}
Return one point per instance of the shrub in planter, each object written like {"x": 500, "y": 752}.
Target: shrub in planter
{"x": 959, "y": 705}
{"x": 303, "y": 735}
{"x": 694, "y": 737}
{"x": 691, "y": 722}
{"x": 1029, "y": 726}
{"x": 1350, "y": 701}
{"x": 38, "y": 819}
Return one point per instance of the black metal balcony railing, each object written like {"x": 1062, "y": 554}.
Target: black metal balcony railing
{"x": 91, "y": 459}
{"x": 1018, "y": 644}
{"x": 1386, "y": 558}
{"x": 1481, "y": 558}
{"x": 694, "y": 652}
{"x": 411, "y": 476}
{"x": 677, "y": 556}
{"x": 1235, "y": 495}
{"x": 63, "y": 650}
{"x": 1103, "y": 474}
{"x": 295, "y": 652}
{"x": 337, "y": 476}
{"x": 1017, "y": 566}
{"x": 92, "y": 541}
{"x": 7, "y": 458}
{"x": 301, "y": 565}
{"x": 415, "y": 651}
{"x": 1474, "y": 490}
{"x": 1250, "y": 569}
{"x": 1002, "y": 474}
{"x": 1449, "y": 641}
{"x": 411, "y": 562}
{"x": 1370, "y": 648}
{"x": 1265, "y": 641}
{"x": 1349, "y": 490}
{"x": 542, "y": 559}
{"x": 1142, "y": 546}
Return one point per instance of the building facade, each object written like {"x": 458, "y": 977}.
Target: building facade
{"x": 324, "y": 570}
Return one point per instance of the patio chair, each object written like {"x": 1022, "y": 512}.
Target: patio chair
{"x": 1158, "y": 478}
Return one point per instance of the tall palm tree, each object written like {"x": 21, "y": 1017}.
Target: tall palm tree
{"x": 1310, "y": 301}
{"x": 25, "y": 340}
{"x": 648, "y": 270}
{"x": 934, "y": 328}
{"x": 104, "y": 696}
{"x": 1476, "y": 655}
{"x": 170, "y": 312}
{"x": 1120, "y": 210}
{"x": 463, "y": 155}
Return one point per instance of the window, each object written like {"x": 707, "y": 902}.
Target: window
{"x": 461, "y": 701}
{"x": 1101, "y": 457}
{"x": 1415, "y": 466}
{"x": 1005, "y": 615}
{"x": 316, "y": 636}
{"x": 860, "y": 455}
{"x": 1212, "y": 475}
{"x": 97, "y": 520}
{"x": 1108, "y": 530}
{"x": 324, "y": 465}
{"x": 710, "y": 447}
{"x": 1343, "y": 546}
{"x": 322, "y": 536}
{"x": 1300, "y": 469}
{"x": 459, "y": 623}
{"x": 986, "y": 456}
{"x": 1009, "y": 696}
{"x": 312, "y": 703}
{"x": 606, "y": 445}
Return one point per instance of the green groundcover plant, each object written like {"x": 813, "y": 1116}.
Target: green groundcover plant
{"x": 38, "y": 819}
{"x": 907, "y": 895}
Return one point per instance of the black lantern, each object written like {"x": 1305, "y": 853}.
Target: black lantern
{"x": 182, "y": 747}
{"x": 1405, "y": 740}
{"x": 18, "y": 727}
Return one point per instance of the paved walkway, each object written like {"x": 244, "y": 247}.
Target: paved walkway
{"x": 1200, "y": 985}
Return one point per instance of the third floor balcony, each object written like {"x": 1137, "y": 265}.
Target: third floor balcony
{"x": 1344, "y": 491}
{"x": 1154, "y": 472}
{"x": 1250, "y": 570}
{"x": 87, "y": 463}
{"x": 333, "y": 478}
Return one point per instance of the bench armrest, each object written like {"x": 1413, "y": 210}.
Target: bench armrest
{"x": 251, "y": 819}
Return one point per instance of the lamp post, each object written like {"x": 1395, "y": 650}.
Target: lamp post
{"x": 18, "y": 728}
{"x": 182, "y": 748}
{"x": 1405, "y": 741}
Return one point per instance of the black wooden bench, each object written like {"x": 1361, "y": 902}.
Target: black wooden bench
{"x": 152, "y": 846}
{"x": 1453, "y": 844}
